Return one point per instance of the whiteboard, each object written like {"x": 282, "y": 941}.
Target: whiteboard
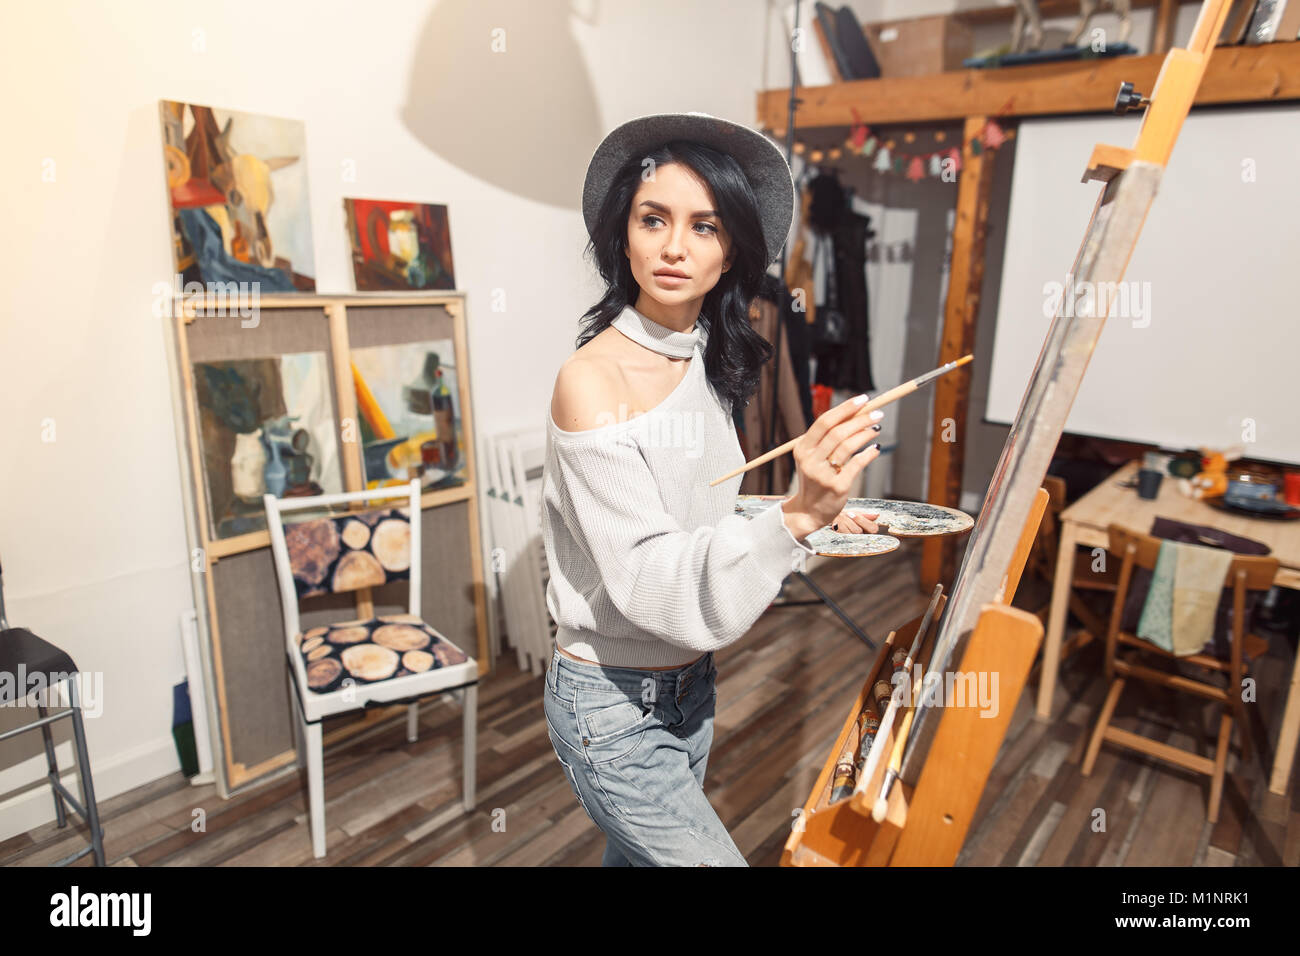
{"x": 1203, "y": 345}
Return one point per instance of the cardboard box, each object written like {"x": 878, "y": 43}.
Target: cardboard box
{"x": 919, "y": 47}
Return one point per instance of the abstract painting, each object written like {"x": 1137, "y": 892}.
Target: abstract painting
{"x": 399, "y": 245}
{"x": 265, "y": 425}
{"x": 238, "y": 189}
{"x": 408, "y": 406}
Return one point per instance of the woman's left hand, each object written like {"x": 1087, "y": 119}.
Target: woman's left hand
{"x": 853, "y": 521}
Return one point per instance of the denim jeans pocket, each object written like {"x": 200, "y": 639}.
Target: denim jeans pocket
{"x": 612, "y": 729}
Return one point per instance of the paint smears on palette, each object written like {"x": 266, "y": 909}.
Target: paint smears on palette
{"x": 825, "y": 542}
{"x": 913, "y": 519}
{"x": 901, "y": 519}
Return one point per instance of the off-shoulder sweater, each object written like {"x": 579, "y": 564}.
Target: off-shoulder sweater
{"x": 649, "y": 566}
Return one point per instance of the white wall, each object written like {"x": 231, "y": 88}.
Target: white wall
{"x": 1208, "y": 301}
{"x": 406, "y": 93}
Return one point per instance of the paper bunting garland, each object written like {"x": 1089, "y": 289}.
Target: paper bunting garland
{"x": 993, "y": 136}
{"x": 940, "y": 163}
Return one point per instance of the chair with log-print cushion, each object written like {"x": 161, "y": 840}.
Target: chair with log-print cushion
{"x": 353, "y": 665}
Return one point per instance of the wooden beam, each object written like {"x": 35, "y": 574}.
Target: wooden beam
{"x": 1266, "y": 73}
{"x": 961, "y": 307}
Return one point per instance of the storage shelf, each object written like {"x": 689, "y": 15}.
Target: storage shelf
{"x": 1266, "y": 73}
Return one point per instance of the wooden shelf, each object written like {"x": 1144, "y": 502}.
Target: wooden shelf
{"x": 1047, "y": 9}
{"x": 1236, "y": 74}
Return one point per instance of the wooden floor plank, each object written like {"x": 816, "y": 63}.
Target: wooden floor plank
{"x": 783, "y": 693}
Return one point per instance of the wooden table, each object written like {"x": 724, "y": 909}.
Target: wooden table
{"x": 1085, "y": 521}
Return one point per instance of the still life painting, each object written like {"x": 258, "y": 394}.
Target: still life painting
{"x": 237, "y": 183}
{"x": 399, "y": 245}
{"x": 265, "y": 425}
{"x": 408, "y": 408}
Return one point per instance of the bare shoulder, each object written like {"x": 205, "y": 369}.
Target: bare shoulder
{"x": 587, "y": 388}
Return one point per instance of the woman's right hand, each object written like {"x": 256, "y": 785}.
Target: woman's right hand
{"x": 836, "y": 436}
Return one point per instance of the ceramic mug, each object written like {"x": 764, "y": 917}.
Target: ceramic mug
{"x": 1149, "y": 483}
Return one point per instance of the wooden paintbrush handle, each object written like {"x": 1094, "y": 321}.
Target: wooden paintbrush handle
{"x": 884, "y": 398}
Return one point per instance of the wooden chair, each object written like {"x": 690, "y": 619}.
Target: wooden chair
{"x": 1253, "y": 573}
{"x": 357, "y": 664}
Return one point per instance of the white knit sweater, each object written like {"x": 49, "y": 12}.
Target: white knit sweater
{"x": 649, "y": 566}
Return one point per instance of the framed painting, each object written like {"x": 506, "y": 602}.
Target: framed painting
{"x": 265, "y": 425}
{"x": 408, "y": 414}
{"x": 237, "y": 185}
{"x": 399, "y": 245}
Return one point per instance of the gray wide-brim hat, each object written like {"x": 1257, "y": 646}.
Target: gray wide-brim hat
{"x": 760, "y": 159}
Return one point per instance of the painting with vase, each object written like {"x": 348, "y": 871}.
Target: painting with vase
{"x": 399, "y": 245}
{"x": 265, "y": 425}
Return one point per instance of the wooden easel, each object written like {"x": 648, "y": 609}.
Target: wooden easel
{"x": 951, "y": 749}
{"x": 926, "y": 825}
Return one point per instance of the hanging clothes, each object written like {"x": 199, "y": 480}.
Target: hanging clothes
{"x": 786, "y": 419}
{"x": 798, "y": 337}
{"x": 850, "y": 239}
{"x": 841, "y": 339}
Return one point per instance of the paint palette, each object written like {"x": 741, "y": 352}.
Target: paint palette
{"x": 825, "y": 542}
{"x": 902, "y": 519}
{"x": 913, "y": 519}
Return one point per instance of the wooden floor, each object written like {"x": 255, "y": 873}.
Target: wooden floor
{"x": 783, "y": 693}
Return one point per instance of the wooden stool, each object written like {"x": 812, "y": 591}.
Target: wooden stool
{"x": 1254, "y": 573}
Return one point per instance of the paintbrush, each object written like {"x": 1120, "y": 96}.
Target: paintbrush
{"x": 881, "y": 807}
{"x": 884, "y": 398}
{"x": 887, "y": 719}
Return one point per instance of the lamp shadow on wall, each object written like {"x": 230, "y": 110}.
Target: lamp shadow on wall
{"x": 501, "y": 89}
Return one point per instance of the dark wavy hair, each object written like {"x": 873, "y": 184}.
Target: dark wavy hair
{"x": 733, "y": 353}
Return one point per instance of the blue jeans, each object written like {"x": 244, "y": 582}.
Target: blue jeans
{"x": 633, "y": 744}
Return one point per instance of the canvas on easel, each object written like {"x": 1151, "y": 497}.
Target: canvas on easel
{"x": 942, "y": 754}
{"x": 1131, "y": 177}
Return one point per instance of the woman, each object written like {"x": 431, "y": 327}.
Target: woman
{"x": 651, "y": 569}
